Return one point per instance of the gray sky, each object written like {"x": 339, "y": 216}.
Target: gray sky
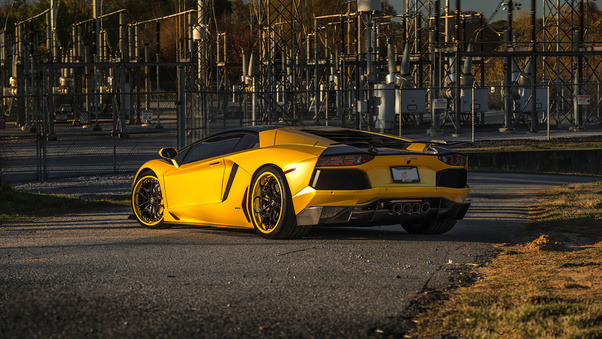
{"x": 485, "y": 6}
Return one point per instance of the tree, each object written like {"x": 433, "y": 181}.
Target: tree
{"x": 239, "y": 30}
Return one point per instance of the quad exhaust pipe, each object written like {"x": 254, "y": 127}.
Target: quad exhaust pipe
{"x": 410, "y": 207}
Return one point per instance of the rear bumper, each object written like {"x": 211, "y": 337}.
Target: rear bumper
{"x": 389, "y": 211}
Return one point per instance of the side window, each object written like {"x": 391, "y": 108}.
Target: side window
{"x": 248, "y": 141}
{"x": 216, "y": 146}
{"x": 181, "y": 155}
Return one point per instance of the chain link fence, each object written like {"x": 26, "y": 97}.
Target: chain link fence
{"x": 85, "y": 126}
{"x": 103, "y": 118}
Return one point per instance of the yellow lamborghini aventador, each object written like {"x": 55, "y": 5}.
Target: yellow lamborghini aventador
{"x": 284, "y": 180}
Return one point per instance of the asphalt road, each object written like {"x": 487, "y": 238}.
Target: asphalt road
{"x": 100, "y": 275}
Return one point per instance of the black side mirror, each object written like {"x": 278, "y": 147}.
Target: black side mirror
{"x": 169, "y": 153}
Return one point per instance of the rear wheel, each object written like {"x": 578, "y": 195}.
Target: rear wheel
{"x": 271, "y": 206}
{"x": 437, "y": 226}
{"x": 147, "y": 201}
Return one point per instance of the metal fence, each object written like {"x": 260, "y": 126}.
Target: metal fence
{"x": 393, "y": 110}
{"x": 86, "y": 126}
{"x": 77, "y": 151}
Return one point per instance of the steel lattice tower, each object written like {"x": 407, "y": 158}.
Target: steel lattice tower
{"x": 282, "y": 37}
{"x": 565, "y": 29}
{"x": 418, "y": 13}
{"x": 206, "y": 42}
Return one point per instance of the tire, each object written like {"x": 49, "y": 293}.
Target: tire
{"x": 305, "y": 232}
{"x": 271, "y": 205}
{"x": 438, "y": 226}
{"x": 147, "y": 201}
{"x": 300, "y": 232}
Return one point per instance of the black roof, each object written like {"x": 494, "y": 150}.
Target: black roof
{"x": 254, "y": 129}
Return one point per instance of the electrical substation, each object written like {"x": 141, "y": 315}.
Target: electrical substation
{"x": 427, "y": 64}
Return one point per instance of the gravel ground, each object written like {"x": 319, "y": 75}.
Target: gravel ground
{"x": 85, "y": 187}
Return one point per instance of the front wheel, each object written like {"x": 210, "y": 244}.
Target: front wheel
{"x": 271, "y": 206}
{"x": 437, "y": 226}
{"x": 147, "y": 201}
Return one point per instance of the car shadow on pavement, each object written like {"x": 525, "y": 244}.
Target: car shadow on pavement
{"x": 463, "y": 232}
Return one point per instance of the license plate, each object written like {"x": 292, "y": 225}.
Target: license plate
{"x": 405, "y": 174}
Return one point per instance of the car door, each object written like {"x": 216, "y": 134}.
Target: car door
{"x": 195, "y": 187}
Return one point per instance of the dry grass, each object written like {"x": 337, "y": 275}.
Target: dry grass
{"x": 532, "y": 145}
{"x": 18, "y": 205}
{"x": 527, "y": 146}
{"x": 541, "y": 289}
{"x": 569, "y": 212}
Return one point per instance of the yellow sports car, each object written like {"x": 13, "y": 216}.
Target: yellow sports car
{"x": 284, "y": 180}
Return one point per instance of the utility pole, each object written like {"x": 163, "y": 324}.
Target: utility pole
{"x": 534, "y": 119}
{"x": 96, "y": 12}
{"x": 508, "y": 66}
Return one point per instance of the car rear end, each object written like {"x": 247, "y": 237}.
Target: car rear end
{"x": 365, "y": 186}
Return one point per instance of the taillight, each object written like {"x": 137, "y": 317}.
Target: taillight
{"x": 344, "y": 160}
{"x": 453, "y": 159}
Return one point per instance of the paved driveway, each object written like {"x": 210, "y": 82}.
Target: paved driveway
{"x": 101, "y": 275}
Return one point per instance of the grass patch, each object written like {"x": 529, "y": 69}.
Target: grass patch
{"x": 569, "y": 211}
{"x": 540, "y": 289}
{"x": 531, "y": 145}
{"x": 19, "y": 205}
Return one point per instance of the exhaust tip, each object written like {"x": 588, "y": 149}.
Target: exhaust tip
{"x": 407, "y": 208}
{"x": 416, "y": 208}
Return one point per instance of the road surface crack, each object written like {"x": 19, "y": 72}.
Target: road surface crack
{"x": 297, "y": 251}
